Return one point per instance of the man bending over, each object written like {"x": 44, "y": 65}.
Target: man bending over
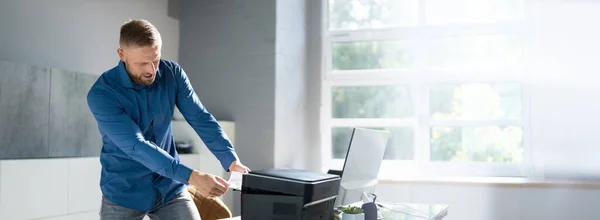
{"x": 133, "y": 104}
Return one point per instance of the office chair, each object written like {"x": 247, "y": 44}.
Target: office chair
{"x": 209, "y": 208}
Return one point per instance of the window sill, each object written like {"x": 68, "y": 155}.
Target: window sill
{"x": 494, "y": 182}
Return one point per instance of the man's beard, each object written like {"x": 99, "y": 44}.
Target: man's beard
{"x": 140, "y": 80}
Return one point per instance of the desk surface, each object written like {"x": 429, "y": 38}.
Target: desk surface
{"x": 406, "y": 211}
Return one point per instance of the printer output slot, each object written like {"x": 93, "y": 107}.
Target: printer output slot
{"x": 264, "y": 192}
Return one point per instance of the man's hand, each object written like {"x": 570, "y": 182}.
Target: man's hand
{"x": 237, "y": 166}
{"x": 207, "y": 184}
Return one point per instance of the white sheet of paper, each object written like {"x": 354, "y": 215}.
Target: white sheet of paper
{"x": 235, "y": 180}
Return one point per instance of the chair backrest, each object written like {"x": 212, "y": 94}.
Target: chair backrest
{"x": 209, "y": 208}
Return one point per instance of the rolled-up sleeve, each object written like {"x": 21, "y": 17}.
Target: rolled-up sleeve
{"x": 203, "y": 122}
{"x": 114, "y": 123}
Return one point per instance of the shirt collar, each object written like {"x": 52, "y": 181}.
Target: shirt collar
{"x": 126, "y": 80}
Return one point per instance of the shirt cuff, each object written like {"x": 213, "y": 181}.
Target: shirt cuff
{"x": 228, "y": 159}
{"x": 182, "y": 173}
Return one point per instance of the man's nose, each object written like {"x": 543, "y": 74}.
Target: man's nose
{"x": 150, "y": 68}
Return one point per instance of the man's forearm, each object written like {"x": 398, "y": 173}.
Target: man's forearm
{"x": 158, "y": 160}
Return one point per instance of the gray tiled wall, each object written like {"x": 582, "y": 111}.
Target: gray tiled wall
{"x": 24, "y": 105}
{"x": 73, "y": 130}
{"x": 43, "y": 113}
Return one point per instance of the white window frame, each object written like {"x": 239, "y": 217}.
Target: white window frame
{"x": 419, "y": 80}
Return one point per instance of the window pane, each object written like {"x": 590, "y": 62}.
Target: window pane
{"x": 370, "y": 55}
{"x": 369, "y": 14}
{"x": 478, "y": 51}
{"x": 371, "y": 102}
{"x": 472, "y": 11}
{"x": 400, "y": 145}
{"x": 476, "y": 101}
{"x": 484, "y": 143}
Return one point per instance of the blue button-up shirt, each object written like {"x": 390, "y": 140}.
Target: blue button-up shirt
{"x": 138, "y": 157}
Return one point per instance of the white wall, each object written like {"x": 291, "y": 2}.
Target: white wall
{"x": 290, "y": 86}
{"x": 313, "y": 82}
{"x": 81, "y": 36}
{"x": 77, "y": 35}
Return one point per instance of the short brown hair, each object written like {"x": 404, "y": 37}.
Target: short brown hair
{"x": 139, "y": 32}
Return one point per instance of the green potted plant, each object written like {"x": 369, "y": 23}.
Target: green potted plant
{"x": 352, "y": 213}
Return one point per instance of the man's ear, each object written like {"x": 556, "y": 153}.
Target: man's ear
{"x": 121, "y": 54}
